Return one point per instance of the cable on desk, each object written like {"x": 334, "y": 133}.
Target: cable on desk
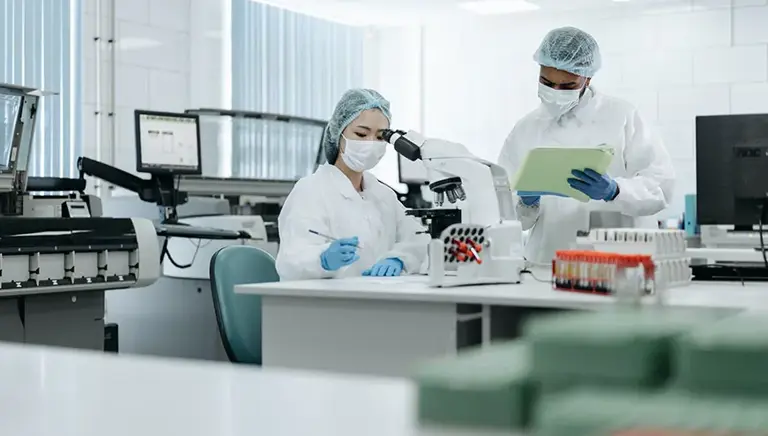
{"x": 174, "y": 201}
{"x": 198, "y": 246}
{"x": 529, "y": 263}
{"x": 166, "y": 253}
{"x": 527, "y": 271}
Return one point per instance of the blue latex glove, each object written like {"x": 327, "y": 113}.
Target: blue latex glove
{"x": 391, "y": 267}
{"x": 532, "y": 198}
{"x": 342, "y": 252}
{"x": 597, "y": 186}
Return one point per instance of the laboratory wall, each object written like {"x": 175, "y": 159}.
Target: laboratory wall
{"x": 392, "y": 65}
{"x": 476, "y": 78}
{"x": 172, "y": 55}
{"x": 284, "y": 62}
{"x": 167, "y": 55}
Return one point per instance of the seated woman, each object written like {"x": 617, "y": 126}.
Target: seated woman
{"x": 341, "y": 221}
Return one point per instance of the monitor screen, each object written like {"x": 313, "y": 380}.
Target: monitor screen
{"x": 167, "y": 143}
{"x": 412, "y": 172}
{"x": 731, "y": 162}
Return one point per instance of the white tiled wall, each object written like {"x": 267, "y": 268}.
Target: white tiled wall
{"x": 169, "y": 55}
{"x": 700, "y": 57}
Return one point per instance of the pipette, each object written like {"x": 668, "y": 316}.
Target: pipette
{"x": 328, "y": 238}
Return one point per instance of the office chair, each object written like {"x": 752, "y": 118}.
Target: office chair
{"x": 239, "y": 316}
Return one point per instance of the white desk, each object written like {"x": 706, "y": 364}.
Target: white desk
{"x": 60, "y": 392}
{"x": 383, "y": 326}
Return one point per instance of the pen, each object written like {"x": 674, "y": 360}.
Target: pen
{"x": 328, "y": 238}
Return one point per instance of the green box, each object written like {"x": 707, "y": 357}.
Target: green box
{"x": 621, "y": 348}
{"x": 728, "y": 357}
{"x": 486, "y": 388}
{"x": 600, "y": 413}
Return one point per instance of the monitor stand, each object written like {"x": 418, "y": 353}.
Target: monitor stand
{"x": 734, "y": 271}
{"x": 168, "y": 195}
{"x": 745, "y": 237}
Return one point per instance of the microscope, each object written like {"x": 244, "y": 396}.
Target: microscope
{"x": 475, "y": 236}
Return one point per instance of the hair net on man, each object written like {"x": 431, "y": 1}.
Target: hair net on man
{"x": 351, "y": 105}
{"x": 570, "y": 49}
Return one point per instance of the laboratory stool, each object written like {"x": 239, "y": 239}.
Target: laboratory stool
{"x": 239, "y": 316}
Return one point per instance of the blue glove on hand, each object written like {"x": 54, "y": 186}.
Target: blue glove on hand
{"x": 342, "y": 252}
{"x": 391, "y": 267}
{"x": 597, "y": 186}
{"x": 531, "y": 198}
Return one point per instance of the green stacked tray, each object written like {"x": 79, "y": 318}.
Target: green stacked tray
{"x": 622, "y": 349}
{"x": 479, "y": 389}
{"x": 601, "y": 413}
{"x": 728, "y": 357}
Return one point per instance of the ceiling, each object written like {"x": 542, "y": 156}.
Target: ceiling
{"x": 405, "y": 12}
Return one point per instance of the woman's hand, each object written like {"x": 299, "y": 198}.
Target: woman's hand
{"x": 341, "y": 253}
{"x": 391, "y": 267}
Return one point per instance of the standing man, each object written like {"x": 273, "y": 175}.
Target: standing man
{"x": 573, "y": 113}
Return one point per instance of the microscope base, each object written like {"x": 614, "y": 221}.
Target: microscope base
{"x": 449, "y": 281}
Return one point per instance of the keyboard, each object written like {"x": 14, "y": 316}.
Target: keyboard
{"x": 195, "y": 232}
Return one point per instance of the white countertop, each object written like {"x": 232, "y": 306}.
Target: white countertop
{"x": 530, "y": 293}
{"x": 61, "y": 392}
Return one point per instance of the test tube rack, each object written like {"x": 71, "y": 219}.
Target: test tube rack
{"x": 660, "y": 244}
{"x": 476, "y": 254}
{"x": 595, "y": 272}
{"x": 659, "y": 255}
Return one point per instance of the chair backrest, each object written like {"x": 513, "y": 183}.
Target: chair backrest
{"x": 239, "y": 316}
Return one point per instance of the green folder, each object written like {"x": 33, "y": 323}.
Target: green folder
{"x": 547, "y": 169}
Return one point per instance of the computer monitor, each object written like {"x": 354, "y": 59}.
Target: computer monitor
{"x": 167, "y": 143}
{"x": 732, "y": 170}
{"x": 411, "y": 172}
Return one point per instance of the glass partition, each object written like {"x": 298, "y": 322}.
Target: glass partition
{"x": 9, "y": 107}
{"x": 253, "y": 145}
{"x": 274, "y": 150}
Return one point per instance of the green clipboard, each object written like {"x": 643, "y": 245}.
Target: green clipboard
{"x": 547, "y": 169}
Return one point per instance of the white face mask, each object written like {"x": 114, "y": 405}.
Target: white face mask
{"x": 362, "y": 155}
{"x": 559, "y": 102}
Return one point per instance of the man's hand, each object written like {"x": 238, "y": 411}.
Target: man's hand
{"x": 531, "y": 198}
{"x": 595, "y": 185}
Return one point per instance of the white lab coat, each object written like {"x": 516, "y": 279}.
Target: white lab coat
{"x": 327, "y": 202}
{"x": 641, "y": 167}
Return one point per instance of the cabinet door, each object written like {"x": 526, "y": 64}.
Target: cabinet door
{"x": 73, "y": 320}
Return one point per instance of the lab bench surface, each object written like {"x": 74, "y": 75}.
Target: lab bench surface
{"x": 385, "y": 326}
{"x": 62, "y": 392}
{"x": 530, "y": 293}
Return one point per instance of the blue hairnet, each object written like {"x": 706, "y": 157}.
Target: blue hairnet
{"x": 351, "y": 105}
{"x": 570, "y": 49}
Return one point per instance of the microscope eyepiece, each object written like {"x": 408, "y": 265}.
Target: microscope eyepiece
{"x": 386, "y": 134}
{"x": 390, "y": 135}
{"x": 402, "y": 144}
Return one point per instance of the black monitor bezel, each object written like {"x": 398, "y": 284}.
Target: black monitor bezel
{"x": 718, "y": 201}
{"x": 167, "y": 171}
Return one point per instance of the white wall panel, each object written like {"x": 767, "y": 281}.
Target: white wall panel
{"x": 700, "y": 57}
